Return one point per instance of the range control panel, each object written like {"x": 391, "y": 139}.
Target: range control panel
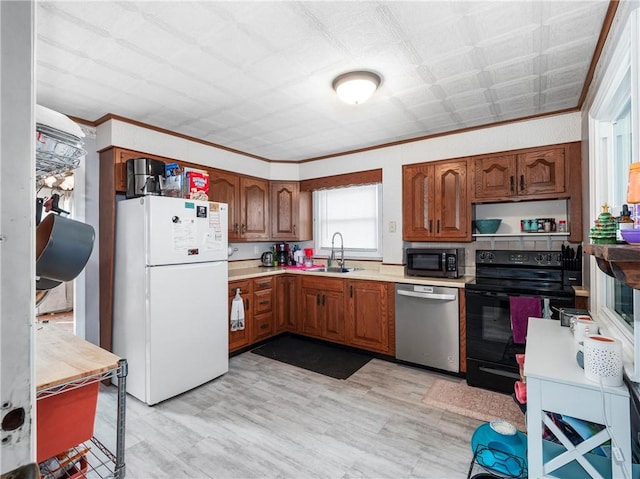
{"x": 525, "y": 258}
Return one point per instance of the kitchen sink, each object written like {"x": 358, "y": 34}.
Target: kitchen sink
{"x": 333, "y": 270}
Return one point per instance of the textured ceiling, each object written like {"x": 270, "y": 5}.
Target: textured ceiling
{"x": 256, "y": 76}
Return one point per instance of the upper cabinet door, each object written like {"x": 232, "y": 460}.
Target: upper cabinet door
{"x": 284, "y": 210}
{"x": 541, "y": 172}
{"x": 436, "y": 205}
{"x": 225, "y": 188}
{"x": 417, "y": 202}
{"x": 452, "y": 205}
{"x": 535, "y": 174}
{"x": 494, "y": 177}
{"x": 254, "y": 205}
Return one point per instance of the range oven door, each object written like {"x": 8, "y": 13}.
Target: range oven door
{"x": 491, "y": 352}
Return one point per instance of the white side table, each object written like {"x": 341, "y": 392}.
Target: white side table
{"x": 555, "y": 383}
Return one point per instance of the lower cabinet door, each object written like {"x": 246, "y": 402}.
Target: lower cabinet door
{"x": 263, "y": 326}
{"x": 241, "y": 338}
{"x": 369, "y": 315}
{"x": 333, "y": 316}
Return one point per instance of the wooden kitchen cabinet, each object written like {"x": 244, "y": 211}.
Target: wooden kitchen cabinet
{"x": 224, "y": 187}
{"x": 436, "y": 204}
{"x": 322, "y": 308}
{"x": 532, "y": 174}
{"x": 120, "y": 167}
{"x": 242, "y": 338}
{"x": 254, "y": 209}
{"x": 286, "y": 303}
{"x": 263, "y": 301}
{"x": 248, "y": 200}
{"x": 291, "y": 214}
{"x": 371, "y": 312}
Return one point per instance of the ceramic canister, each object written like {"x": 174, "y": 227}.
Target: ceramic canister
{"x": 583, "y": 327}
{"x": 603, "y": 360}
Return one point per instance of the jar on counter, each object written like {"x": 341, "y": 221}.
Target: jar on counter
{"x": 624, "y": 222}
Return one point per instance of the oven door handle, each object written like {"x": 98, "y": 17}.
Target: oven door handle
{"x": 416, "y": 294}
{"x": 491, "y": 294}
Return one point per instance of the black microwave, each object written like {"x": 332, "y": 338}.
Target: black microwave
{"x": 435, "y": 262}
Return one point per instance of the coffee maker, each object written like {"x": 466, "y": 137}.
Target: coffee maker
{"x": 144, "y": 177}
{"x": 283, "y": 254}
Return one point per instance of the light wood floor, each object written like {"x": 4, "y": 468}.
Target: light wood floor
{"x": 266, "y": 419}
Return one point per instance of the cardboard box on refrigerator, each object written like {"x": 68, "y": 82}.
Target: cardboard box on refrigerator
{"x": 172, "y": 181}
{"x": 195, "y": 184}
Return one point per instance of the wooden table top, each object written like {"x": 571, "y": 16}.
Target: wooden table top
{"x": 62, "y": 357}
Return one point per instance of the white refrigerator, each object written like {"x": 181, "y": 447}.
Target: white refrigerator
{"x": 170, "y": 315}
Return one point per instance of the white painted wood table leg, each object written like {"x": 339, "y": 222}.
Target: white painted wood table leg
{"x": 534, "y": 428}
{"x": 618, "y": 414}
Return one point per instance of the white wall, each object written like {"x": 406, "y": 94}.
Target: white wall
{"x": 87, "y": 289}
{"x": 17, "y": 231}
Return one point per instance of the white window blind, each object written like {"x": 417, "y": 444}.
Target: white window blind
{"x": 354, "y": 212}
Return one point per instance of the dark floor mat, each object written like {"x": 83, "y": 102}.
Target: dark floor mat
{"x": 318, "y": 357}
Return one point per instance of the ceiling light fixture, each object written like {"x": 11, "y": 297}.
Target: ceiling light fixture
{"x": 356, "y": 87}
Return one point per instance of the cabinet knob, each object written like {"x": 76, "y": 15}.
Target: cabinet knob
{"x": 236, "y": 228}
{"x": 244, "y": 229}
{"x": 294, "y": 229}
{"x": 512, "y": 183}
{"x": 430, "y": 226}
{"x": 521, "y": 182}
{"x": 264, "y": 326}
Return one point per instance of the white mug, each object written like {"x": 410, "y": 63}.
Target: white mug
{"x": 574, "y": 318}
{"x": 583, "y": 328}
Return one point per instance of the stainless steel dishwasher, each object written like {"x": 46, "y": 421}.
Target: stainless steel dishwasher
{"x": 427, "y": 326}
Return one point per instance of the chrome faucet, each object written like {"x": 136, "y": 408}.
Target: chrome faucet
{"x": 332, "y": 256}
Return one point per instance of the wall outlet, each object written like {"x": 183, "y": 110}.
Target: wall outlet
{"x": 256, "y": 249}
{"x": 392, "y": 226}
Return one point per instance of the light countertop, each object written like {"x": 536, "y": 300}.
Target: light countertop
{"x": 392, "y": 274}
{"x": 371, "y": 271}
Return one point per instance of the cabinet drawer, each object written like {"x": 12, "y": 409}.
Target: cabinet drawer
{"x": 263, "y": 283}
{"x": 263, "y": 301}
{"x": 323, "y": 283}
{"x": 263, "y": 326}
{"x": 243, "y": 285}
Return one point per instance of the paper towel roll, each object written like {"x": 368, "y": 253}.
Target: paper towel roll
{"x": 603, "y": 360}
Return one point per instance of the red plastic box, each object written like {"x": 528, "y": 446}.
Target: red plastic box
{"x": 65, "y": 420}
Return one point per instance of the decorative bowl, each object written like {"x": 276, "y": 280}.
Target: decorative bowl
{"x": 487, "y": 226}
{"x": 631, "y": 236}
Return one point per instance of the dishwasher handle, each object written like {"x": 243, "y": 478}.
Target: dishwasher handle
{"x": 418, "y": 294}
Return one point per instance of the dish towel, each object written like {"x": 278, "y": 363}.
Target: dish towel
{"x": 521, "y": 307}
{"x": 236, "y": 317}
